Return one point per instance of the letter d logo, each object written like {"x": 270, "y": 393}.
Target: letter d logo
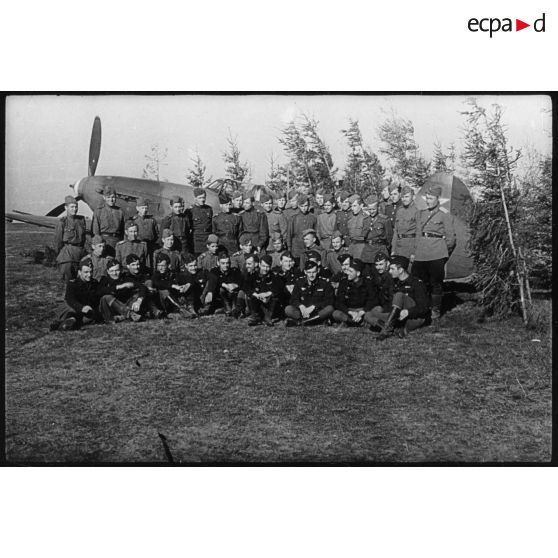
{"x": 541, "y": 22}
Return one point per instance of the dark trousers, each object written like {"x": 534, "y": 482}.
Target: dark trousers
{"x": 378, "y": 315}
{"x": 340, "y": 316}
{"x": 323, "y": 313}
{"x": 264, "y": 310}
{"x": 432, "y": 274}
{"x": 65, "y": 311}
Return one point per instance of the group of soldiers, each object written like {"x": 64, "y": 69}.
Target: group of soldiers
{"x": 303, "y": 258}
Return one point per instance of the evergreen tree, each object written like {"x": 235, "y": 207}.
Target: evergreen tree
{"x": 155, "y": 160}
{"x": 195, "y": 176}
{"x": 235, "y": 169}
{"x": 439, "y": 159}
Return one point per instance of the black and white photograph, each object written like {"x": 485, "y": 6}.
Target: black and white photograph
{"x": 279, "y": 279}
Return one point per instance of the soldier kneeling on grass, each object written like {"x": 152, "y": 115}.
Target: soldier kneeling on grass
{"x": 115, "y": 292}
{"x": 409, "y": 306}
{"x": 266, "y": 294}
{"x": 312, "y": 299}
{"x": 80, "y": 301}
{"x": 355, "y": 297}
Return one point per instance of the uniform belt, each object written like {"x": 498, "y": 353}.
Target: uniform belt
{"x": 357, "y": 241}
{"x": 110, "y": 234}
{"x": 72, "y": 244}
{"x": 406, "y": 236}
{"x": 377, "y": 243}
{"x": 432, "y": 235}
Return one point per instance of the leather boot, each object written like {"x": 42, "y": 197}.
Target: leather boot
{"x": 436, "y": 306}
{"x": 387, "y": 330}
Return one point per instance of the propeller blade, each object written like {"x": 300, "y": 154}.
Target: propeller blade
{"x": 58, "y": 210}
{"x": 95, "y": 146}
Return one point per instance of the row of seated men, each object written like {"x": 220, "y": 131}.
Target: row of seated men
{"x": 382, "y": 296}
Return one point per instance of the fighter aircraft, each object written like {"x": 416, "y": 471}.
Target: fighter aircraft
{"x": 89, "y": 189}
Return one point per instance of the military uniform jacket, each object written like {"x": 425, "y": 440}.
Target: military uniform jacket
{"x": 275, "y": 258}
{"x": 208, "y": 261}
{"x": 332, "y": 260}
{"x": 289, "y": 213}
{"x": 378, "y": 237}
{"x": 82, "y": 293}
{"x": 277, "y": 223}
{"x": 287, "y": 278}
{"x": 199, "y": 281}
{"x": 255, "y": 224}
{"x": 315, "y": 248}
{"x": 382, "y": 284}
{"x": 69, "y": 238}
{"x": 319, "y": 293}
{"x": 238, "y": 259}
{"x": 232, "y": 275}
{"x": 341, "y": 220}
{"x": 391, "y": 211}
{"x": 297, "y": 225}
{"x": 174, "y": 256}
{"x": 249, "y": 282}
{"x": 148, "y": 231}
{"x": 138, "y": 290}
{"x": 355, "y": 294}
{"x": 163, "y": 281}
{"x": 415, "y": 289}
{"x": 268, "y": 283}
{"x": 180, "y": 225}
{"x": 202, "y": 225}
{"x": 404, "y": 231}
{"x": 108, "y": 221}
{"x": 126, "y": 247}
{"x": 227, "y": 227}
{"x": 326, "y": 224}
{"x": 435, "y": 235}
{"x": 99, "y": 266}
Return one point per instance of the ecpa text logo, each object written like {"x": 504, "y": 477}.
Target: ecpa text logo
{"x": 494, "y": 24}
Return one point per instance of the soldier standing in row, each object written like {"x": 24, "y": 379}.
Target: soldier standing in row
{"x": 108, "y": 221}
{"x": 300, "y": 222}
{"x": 378, "y": 231}
{"x": 343, "y": 214}
{"x": 310, "y": 239}
{"x": 337, "y": 249}
{"x": 226, "y": 225}
{"x": 394, "y": 202}
{"x": 254, "y": 224}
{"x": 326, "y": 222}
{"x": 435, "y": 243}
{"x": 236, "y": 200}
{"x": 148, "y": 231}
{"x": 276, "y": 221}
{"x": 292, "y": 208}
{"x": 69, "y": 240}
{"x": 209, "y": 259}
{"x": 167, "y": 238}
{"x": 320, "y": 200}
{"x": 201, "y": 216}
{"x": 131, "y": 245}
{"x": 180, "y": 224}
{"x": 238, "y": 259}
{"x": 356, "y": 226}
{"x": 98, "y": 257}
{"x": 405, "y": 227}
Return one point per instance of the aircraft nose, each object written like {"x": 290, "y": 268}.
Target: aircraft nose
{"x": 77, "y": 189}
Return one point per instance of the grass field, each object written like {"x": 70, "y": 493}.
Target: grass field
{"x": 219, "y": 391}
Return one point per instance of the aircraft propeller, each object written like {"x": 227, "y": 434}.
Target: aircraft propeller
{"x": 94, "y": 146}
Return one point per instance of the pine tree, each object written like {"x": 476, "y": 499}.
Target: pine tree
{"x": 195, "y": 176}
{"x": 235, "y": 169}
{"x": 439, "y": 159}
{"x": 155, "y": 160}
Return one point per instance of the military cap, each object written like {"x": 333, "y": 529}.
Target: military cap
{"x": 188, "y": 258}
{"x": 292, "y": 194}
{"x": 407, "y": 190}
{"x": 130, "y": 224}
{"x": 245, "y": 238}
{"x": 199, "y": 192}
{"x": 320, "y": 192}
{"x": 280, "y": 195}
{"x": 236, "y": 194}
{"x": 265, "y": 197}
{"x": 329, "y": 198}
{"x": 131, "y": 258}
{"x": 109, "y": 191}
{"x": 357, "y": 265}
{"x": 212, "y": 238}
{"x": 224, "y": 199}
{"x": 287, "y": 254}
{"x": 267, "y": 259}
{"x": 302, "y": 199}
{"x": 336, "y": 234}
{"x": 401, "y": 261}
{"x": 142, "y": 201}
{"x": 161, "y": 256}
{"x": 371, "y": 199}
{"x": 309, "y": 231}
{"x": 342, "y": 257}
{"x": 222, "y": 253}
{"x": 433, "y": 190}
{"x": 343, "y": 195}
{"x": 276, "y": 236}
{"x": 166, "y": 233}
{"x": 380, "y": 257}
{"x": 111, "y": 262}
{"x": 385, "y": 183}
{"x": 310, "y": 264}
{"x": 394, "y": 186}
{"x": 97, "y": 239}
{"x": 85, "y": 262}
{"x": 313, "y": 255}
{"x": 176, "y": 199}
{"x": 69, "y": 199}
{"x": 247, "y": 196}
{"x": 254, "y": 257}
{"x": 354, "y": 198}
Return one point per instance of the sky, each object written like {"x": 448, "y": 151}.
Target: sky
{"x": 47, "y": 136}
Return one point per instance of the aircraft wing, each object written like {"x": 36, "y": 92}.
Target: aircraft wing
{"x": 38, "y": 220}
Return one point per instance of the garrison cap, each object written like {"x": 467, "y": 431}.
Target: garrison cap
{"x": 109, "y": 190}
{"x": 343, "y": 257}
{"x": 407, "y": 190}
{"x": 354, "y": 198}
{"x": 310, "y": 264}
{"x": 85, "y": 262}
{"x": 302, "y": 199}
{"x": 254, "y": 257}
{"x": 188, "y": 258}
{"x": 400, "y": 261}
{"x": 142, "y": 201}
{"x": 245, "y": 238}
{"x": 336, "y": 234}
{"x": 394, "y": 186}
{"x": 111, "y": 262}
{"x": 131, "y": 258}
{"x": 212, "y": 238}
{"x": 199, "y": 192}
{"x": 224, "y": 199}
{"x": 265, "y": 197}
{"x": 309, "y": 231}
{"x": 176, "y": 199}
{"x": 380, "y": 257}
{"x": 292, "y": 194}
{"x": 130, "y": 224}
{"x": 329, "y": 198}
{"x": 434, "y": 190}
{"x": 266, "y": 259}
{"x": 371, "y": 199}
{"x": 247, "y": 196}
{"x": 313, "y": 255}
{"x": 287, "y": 254}
{"x": 385, "y": 183}
{"x": 97, "y": 239}
{"x": 166, "y": 233}
{"x": 357, "y": 265}
{"x": 320, "y": 192}
{"x": 280, "y": 194}
{"x": 236, "y": 194}
{"x": 69, "y": 199}
{"x": 162, "y": 257}
{"x": 343, "y": 195}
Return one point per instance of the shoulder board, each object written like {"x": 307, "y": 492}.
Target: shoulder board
{"x": 444, "y": 210}
{"x": 121, "y": 242}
